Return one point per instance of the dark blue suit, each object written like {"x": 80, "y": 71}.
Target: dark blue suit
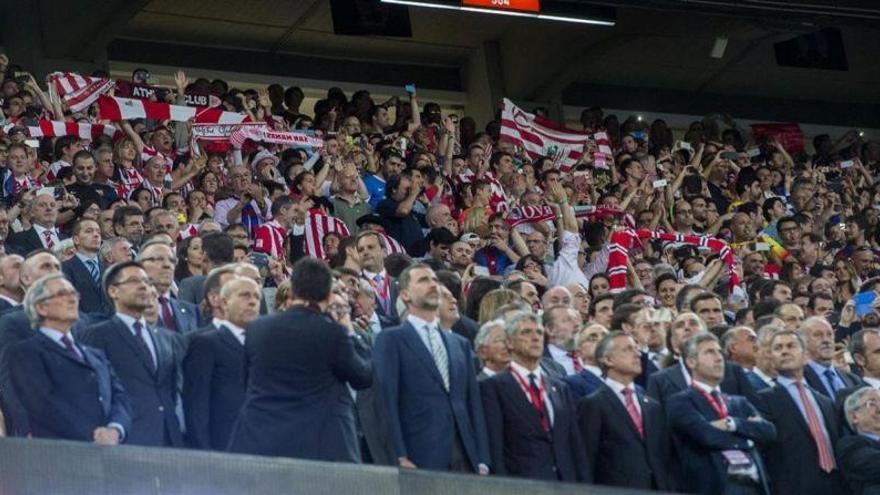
{"x": 15, "y": 327}
{"x": 756, "y": 381}
{"x": 186, "y": 315}
{"x": 648, "y": 369}
{"x": 92, "y": 299}
{"x": 153, "y": 393}
{"x": 213, "y": 387}
{"x": 699, "y": 444}
{"x": 519, "y": 445}
{"x": 298, "y": 404}
{"x": 670, "y": 380}
{"x": 820, "y": 384}
{"x": 583, "y": 384}
{"x": 425, "y": 417}
{"x": 66, "y": 397}
{"x": 616, "y": 452}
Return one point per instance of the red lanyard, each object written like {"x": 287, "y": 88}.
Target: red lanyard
{"x": 381, "y": 289}
{"x": 537, "y": 397}
{"x": 720, "y": 407}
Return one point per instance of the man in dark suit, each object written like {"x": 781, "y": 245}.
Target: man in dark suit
{"x": 716, "y": 434}
{"x": 624, "y": 430}
{"x": 211, "y": 309}
{"x": 213, "y": 369}
{"x": 634, "y": 319}
{"x": 762, "y": 375}
{"x": 371, "y": 251}
{"x": 820, "y": 372}
{"x": 145, "y": 359}
{"x": 589, "y": 379}
{"x": 859, "y": 454}
{"x": 530, "y": 417}
{"x": 864, "y": 347}
{"x": 69, "y": 391}
{"x": 15, "y": 327}
{"x": 218, "y": 248}
{"x": 300, "y": 364}
{"x": 491, "y": 344}
{"x": 43, "y": 234}
{"x": 159, "y": 260}
{"x": 86, "y": 268}
{"x": 807, "y": 427}
{"x": 428, "y": 379}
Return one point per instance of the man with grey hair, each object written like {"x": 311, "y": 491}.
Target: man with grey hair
{"x": 491, "y": 346}
{"x": 68, "y": 390}
{"x": 820, "y": 371}
{"x": 175, "y": 314}
{"x": 562, "y": 323}
{"x": 740, "y": 346}
{"x": 115, "y": 250}
{"x": 859, "y": 454}
{"x": 213, "y": 369}
{"x": 716, "y": 433}
{"x": 530, "y": 416}
{"x": 804, "y": 463}
{"x": 625, "y": 432}
{"x": 763, "y": 374}
{"x": 586, "y": 381}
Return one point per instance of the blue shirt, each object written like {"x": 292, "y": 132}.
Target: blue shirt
{"x": 376, "y": 188}
{"x": 485, "y": 257}
{"x": 820, "y": 372}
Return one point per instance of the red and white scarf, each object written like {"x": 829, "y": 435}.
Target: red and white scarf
{"x": 51, "y": 128}
{"x": 76, "y": 91}
{"x": 530, "y": 214}
{"x": 263, "y": 133}
{"x": 623, "y": 240}
{"x": 112, "y": 108}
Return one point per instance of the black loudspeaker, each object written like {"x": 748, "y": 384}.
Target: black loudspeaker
{"x": 820, "y": 50}
{"x": 370, "y": 17}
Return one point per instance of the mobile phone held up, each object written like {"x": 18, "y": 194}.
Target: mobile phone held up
{"x": 410, "y": 89}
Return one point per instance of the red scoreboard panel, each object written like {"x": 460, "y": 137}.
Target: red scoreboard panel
{"x": 514, "y": 5}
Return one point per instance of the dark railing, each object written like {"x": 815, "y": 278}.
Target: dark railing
{"x": 42, "y": 467}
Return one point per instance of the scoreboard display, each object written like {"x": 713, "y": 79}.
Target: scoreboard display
{"x": 516, "y": 5}
{"x": 555, "y": 10}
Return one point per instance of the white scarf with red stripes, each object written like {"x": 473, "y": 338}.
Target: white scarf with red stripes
{"x": 76, "y": 91}
{"x": 112, "y": 108}
{"x": 51, "y": 128}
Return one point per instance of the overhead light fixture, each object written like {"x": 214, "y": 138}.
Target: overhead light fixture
{"x": 449, "y": 5}
{"x": 719, "y": 47}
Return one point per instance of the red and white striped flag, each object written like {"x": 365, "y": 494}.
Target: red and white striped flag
{"x": 112, "y": 108}
{"x": 77, "y": 91}
{"x": 391, "y": 244}
{"x": 542, "y": 137}
{"x": 51, "y": 128}
{"x": 317, "y": 226}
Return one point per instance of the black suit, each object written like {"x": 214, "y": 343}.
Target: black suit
{"x": 699, "y": 444}
{"x": 648, "y": 369}
{"x": 793, "y": 460}
{"x": 374, "y": 430}
{"x": 616, "y": 452}
{"x": 67, "y": 397}
{"x": 859, "y": 458}
{"x": 670, "y": 380}
{"x": 518, "y": 445}
{"x": 15, "y": 327}
{"x": 26, "y": 241}
{"x": 467, "y": 328}
{"x": 820, "y": 384}
{"x": 92, "y": 299}
{"x": 213, "y": 387}
{"x": 153, "y": 393}
{"x": 297, "y": 403}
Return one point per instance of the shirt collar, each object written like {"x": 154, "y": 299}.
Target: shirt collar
{"x": 556, "y": 351}
{"x": 39, "y": 229}
{"x": 10, "y": 300}
{"x": 787, "y": 382}
{"x": 593, "y": 369}
{"x": 524, "y": 372}
{"x": 489, "y": 371}
{"x": 419, "y": 323}
{"x": 618, "y": 387}
{"x": 704, "y": 387}
{"x": 372, "y": 275}
{"x": 236, "y": 330}
{"x": 56, "y": 335}
{"x": 82, "y": 257}
{"x": 129, "y": 320}
{"x": 872, "y": 382}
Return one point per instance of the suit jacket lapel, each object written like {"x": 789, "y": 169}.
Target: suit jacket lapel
{"x": 229, "y": 339}
{"x": 54, "y": 347}
{"x": 793, "y": 409}
{"x": 677, "y": 377}
{"x": 524, "y": 406}
{"x": 412, "y": 339}
{"x": 132, "y": 342}
{"x": 618, "y": 406}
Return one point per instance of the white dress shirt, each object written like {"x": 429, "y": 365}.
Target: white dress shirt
{"x": 236, "y": 330}
{"x": 618, "y": 387}
{"x": 561, "y": 356}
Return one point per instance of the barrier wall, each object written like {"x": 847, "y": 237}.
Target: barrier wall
{"x": 43, "y": 467}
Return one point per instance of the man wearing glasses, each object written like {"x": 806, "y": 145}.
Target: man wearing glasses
{"x": 144, "y": 357}
{"x": 859, "y": 454}
{"x": 69, "y": 390}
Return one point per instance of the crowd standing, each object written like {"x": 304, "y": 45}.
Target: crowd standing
{"x": 371, "y": 299}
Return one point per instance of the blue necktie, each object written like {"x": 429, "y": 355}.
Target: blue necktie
{"x": 832, "y": 386}
{"x": 92, "y": 265}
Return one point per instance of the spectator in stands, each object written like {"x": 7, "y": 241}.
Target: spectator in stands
{"x": 820, "y": 371}
{"x": 213, "y": 369}
{"x": 144, "y": 357}
{"x": 625, "y": 432}
{"x": 544, "y": 445}
{"x": 435, "y": 413}
{"x": 86, "y": 268}
{"x": 587, "y": 380}
{"x": 11, "y": 292}
{"x": 491, "y": 347}
{"x": 858, "y": 453}
{"x": 69, "y": 391}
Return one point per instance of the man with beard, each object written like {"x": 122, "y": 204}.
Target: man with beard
{"x": 428, "y": 380}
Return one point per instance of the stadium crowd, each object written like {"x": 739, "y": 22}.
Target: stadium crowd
{"x": 692, "y": 313}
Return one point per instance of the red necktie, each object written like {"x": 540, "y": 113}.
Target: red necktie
{"x": 167, "y": 314}
{"x": 826, "y": 460}
{"x": 633, "y": 411}
{"x": 50, "y": 242}
{"x": 576, "y": 361}
{"x": 538, "y": 403}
